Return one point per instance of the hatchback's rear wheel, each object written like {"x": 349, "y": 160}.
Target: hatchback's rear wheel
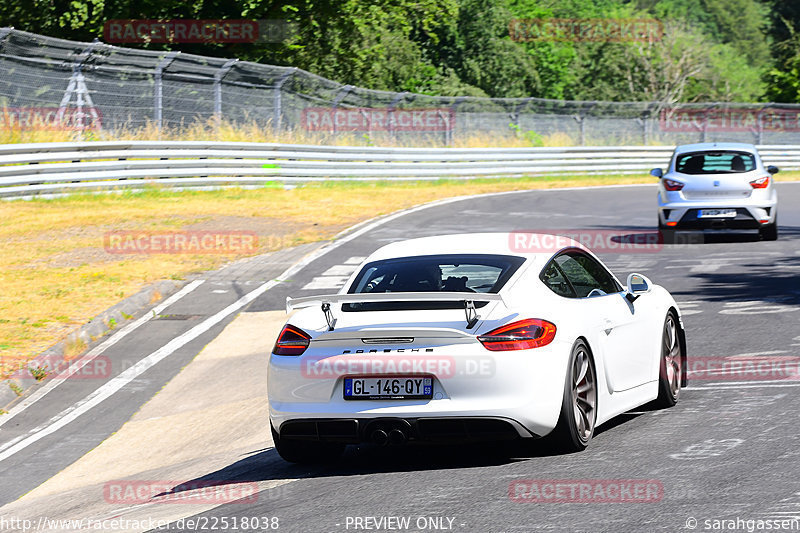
{"x": 667, "y": 233}
{"x": 769, "y": 232}
{"x": 579, "y": 406}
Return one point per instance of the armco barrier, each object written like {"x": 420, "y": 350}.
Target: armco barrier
{"x": 52, "y": 168}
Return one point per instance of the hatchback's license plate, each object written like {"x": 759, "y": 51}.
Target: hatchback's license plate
{"x": 716, "y": 213}
{"x": 388, "y": 388}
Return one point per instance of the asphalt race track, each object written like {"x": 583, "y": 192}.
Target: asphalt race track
{"x": 729, "y": 449}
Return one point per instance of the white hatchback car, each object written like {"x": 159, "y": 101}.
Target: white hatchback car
{"x": 711, "y": 186}
{"x": 465, "y": 337}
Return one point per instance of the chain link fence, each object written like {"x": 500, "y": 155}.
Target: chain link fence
{"x": 96, "y": 85}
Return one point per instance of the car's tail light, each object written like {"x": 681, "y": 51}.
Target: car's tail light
{"x": 520, "y": 335}
{"x": 672, "y": 185}
{"x": 760, "y": 183}
{"x": 291, "y": 341}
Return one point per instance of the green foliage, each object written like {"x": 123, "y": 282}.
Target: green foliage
{"x": 531, "y": 136}
{"x": 730, "y": 50}
{"x": 783, "y": 78}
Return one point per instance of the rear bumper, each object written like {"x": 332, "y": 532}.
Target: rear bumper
{"x": 681, "y": 216}
{"x": 426, "y": 429}
{"x": 674, "y": 212}
{"x": 744, "y": 220}
{"x": 522, "y": 387}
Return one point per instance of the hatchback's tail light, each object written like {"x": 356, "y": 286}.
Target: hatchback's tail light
{"x": 672, "y": 185}
{"x": 760, "y": 183}
{"x": 520, "y": 335}
{"x": 291, "y": 341}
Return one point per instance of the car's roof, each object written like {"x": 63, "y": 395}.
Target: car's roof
{"x": 701, "y": 147}
{"x": 508, "y": 243}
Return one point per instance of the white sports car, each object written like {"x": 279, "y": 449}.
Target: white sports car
{"x": 717, "y": 186}
{"x": 459, "y": 337}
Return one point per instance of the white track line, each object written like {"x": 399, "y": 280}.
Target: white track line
{"x": 94, "y": 352}
{"x": 116, "y": 383}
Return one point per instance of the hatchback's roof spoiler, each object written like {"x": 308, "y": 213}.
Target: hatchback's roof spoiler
{"x": 325, "y": 301}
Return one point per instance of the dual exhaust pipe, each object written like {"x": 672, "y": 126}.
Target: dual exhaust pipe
{"x": 395, "y": 437}
{"x": 389, "y": 431}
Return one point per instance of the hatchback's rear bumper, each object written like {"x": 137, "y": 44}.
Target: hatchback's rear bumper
{"x": 685, "y": 215}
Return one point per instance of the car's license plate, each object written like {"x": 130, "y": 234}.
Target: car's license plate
{"x": 388, "y": 388}
{"x": 716, "y": 213}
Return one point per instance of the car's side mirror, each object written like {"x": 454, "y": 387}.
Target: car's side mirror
{"x": 637, "y": 285}
{"x": 657, "y": 172}
{"x": 772, "y": 169}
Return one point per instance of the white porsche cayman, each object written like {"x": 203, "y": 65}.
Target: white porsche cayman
{"x": 459, "y": 337}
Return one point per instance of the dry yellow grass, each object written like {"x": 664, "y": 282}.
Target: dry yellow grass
{"x": 213, "y": 130}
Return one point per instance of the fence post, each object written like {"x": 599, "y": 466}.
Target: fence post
{"x": 515, "y": 117}
{"x": 344, "y": 91}
{"x": 705, "y": 126}
{"x": 390, "y": 113}
{"x": 277, "y": 103}
{"x": 218, "y": 76}
{"x": 760, "y": 126}
{"x": 450, "y": 136}
{"x": 580, "y": 120}
{"x": 643, "y": 122}
{"x": 157, "y": 89}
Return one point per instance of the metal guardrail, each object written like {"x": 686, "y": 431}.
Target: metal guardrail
{"x": 48, "y": 168}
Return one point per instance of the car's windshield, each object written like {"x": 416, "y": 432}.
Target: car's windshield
{"x": 715, "y": 162}
{"x": 478, "y": 273}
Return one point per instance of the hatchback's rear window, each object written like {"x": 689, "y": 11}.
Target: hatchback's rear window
{"x": 715, "y": 162}
{"x": 469, "y": 273}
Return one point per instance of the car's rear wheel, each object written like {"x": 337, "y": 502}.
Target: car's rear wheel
{"x": 579, "y": 406}
{"x": 302, "y": 451}
{"x": 769, "y": 232}
{"x": 671, "y": 366}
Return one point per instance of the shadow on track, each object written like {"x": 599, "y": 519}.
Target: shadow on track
{"x": 641, "y": 235}
{"x": 266, "y": 464}
{"x": 770, "y": 280}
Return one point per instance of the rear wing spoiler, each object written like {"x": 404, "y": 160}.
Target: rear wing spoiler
{"x": 325, "y": 301}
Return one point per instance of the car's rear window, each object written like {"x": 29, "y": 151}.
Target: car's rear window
{"x": 724, "y": 162}
{"x": 470, "y": 273}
